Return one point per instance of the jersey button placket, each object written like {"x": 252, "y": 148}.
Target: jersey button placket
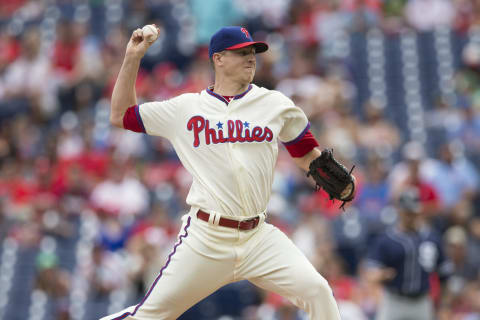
{"x": 230, "y": 151}
{"x": 239, "y": 169}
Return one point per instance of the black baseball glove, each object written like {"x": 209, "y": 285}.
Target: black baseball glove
{"x": 333, "y": 177}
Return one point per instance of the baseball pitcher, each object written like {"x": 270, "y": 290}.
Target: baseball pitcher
{"x": 227, "y": 138}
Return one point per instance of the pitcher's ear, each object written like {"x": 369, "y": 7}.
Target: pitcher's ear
{"x": 217, "y": 58}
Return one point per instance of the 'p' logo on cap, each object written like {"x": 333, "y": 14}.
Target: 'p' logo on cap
{"x": 245, "y": 31}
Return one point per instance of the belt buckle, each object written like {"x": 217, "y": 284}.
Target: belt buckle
{"x": 254, "y": 222}
{"x": 240, "y": 223}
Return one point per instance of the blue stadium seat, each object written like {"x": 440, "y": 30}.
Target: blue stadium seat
{"x": 428, "y": 68}
{"x": 23, "y": 282}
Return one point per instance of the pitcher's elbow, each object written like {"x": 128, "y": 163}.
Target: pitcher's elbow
{"x": 116, "y": 121}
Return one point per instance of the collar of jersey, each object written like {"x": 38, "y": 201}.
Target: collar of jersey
{"x": 219, "y": 97}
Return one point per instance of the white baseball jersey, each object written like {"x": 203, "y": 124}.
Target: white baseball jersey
{"x": 238, "y": 139}
{"x": 230, "y": 148}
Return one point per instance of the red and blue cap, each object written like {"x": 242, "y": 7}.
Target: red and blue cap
{"x": 231, "y": 38}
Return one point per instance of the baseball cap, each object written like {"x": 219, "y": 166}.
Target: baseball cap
{"x": 231, "y": 38}
{"x": 409, "y": 200}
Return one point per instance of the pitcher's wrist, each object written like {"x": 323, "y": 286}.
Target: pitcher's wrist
{"x": 132, "y": 56}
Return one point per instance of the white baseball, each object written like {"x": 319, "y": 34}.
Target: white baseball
{"x": 150, "y": 32}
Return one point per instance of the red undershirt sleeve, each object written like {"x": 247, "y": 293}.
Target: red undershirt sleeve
{"x": 132, "y": 120}
{"x": 301, "y": 145}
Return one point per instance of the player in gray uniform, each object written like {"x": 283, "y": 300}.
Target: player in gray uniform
{"x": 402, "y": 260}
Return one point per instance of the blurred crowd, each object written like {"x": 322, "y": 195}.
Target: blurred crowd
{"x": 61, "y": 161}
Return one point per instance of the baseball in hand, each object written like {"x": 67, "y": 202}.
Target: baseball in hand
{"x": 150, "y": 33}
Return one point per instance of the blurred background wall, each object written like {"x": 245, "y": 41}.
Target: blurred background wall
{"x": 88, "y": 213}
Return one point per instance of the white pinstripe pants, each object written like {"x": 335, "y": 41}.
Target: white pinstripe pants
{"x": 207, "y": 257}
